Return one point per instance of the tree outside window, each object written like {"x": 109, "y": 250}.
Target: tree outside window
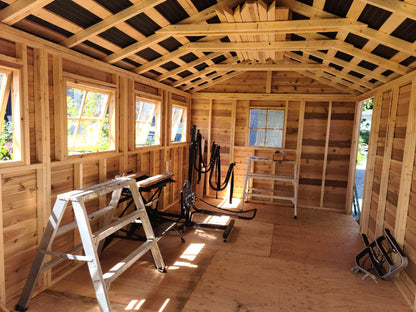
{"x": 10, "y": 146}
{"x": 88, "y": 113}
{"x": 178, "y": 128}
{"x": 266, "y": 128}
{"x": 147, "y": 123}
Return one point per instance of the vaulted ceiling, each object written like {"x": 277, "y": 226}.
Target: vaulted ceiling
{"x": 352, "y": 45}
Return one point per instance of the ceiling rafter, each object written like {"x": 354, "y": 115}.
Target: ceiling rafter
{"x": 276, "y": 27}
{"x": 186, "y": 66}
{"x": 202, "y": 73}
{"x": 157, "y": 37}
{"x": 368, "y": 33}
{"x": 223, "y": 76}
{"x": 305, "y": 59}
{"x": 331, "y": 81}
{"x": 256, "y": 46}
{"x": 268, "y": 67}
{"x": 20, "y": 9}
{"x": 109, "y": 22}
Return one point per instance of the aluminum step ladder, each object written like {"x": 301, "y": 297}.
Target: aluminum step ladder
{"x": 92, "y": 242}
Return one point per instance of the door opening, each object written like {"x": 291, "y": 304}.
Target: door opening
{"x": 360, "y": 169}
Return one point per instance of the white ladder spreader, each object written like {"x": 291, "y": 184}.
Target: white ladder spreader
{"x": 91, "y": 241}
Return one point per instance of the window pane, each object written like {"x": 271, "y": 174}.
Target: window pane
{"x": 74, "y": 99}
{"x": 95, "y": 104}
{"x": 261, "y": 122}
{"x": 256, "y": 137}
{"x": 139, "y": 106}
{"x": 147, "y": 112}
{"x": 2, "y": 79}
{"x": 176, "y": 114}
{"x": 87, "y": 134}
{"x": 71, "y": 131}
{"x": 274, "y": 138}
{"x": 147, "y": 127}
{"x": 254, "y": 115}
{"x": 275, "y": 119}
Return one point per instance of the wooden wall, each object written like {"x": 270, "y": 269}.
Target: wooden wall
{"x": 390, "y": 183}
{"x": 28, "y": 188}
{"x": 318, "y": 134}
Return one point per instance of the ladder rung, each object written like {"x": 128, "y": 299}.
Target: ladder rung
{"x": 265, "y": 176}
{"x": 72, "y": 225}
{"x": 50, "y": 264}
{"x": 124, "y": 264}
{"x": 267, "y": 190}
{"x": 115, "y": 226}
{"x": 66, "y": 255}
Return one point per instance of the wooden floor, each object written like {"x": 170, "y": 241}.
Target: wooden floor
{"x": 273, "y": 263}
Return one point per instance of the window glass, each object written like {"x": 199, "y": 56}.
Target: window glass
{"x": 266, "y": 128}
{"x": 147, "y": 123}
{"x": 88, "y": 114}
{"x": 178, "y": 129}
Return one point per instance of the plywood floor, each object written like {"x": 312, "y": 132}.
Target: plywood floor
{"x": 273, "y": 263}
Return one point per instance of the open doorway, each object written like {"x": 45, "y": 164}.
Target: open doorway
{"x": 365, "y": 126}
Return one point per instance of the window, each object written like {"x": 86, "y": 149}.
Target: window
{"x": 90, "y": 114}
{"x": 10, "y": 140}
{"x": 147, "y": 123}
{"x": 178, "y": 129}
{"x": 266, "y": 128}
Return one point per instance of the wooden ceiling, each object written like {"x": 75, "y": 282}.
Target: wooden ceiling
{"x": 353, "y": 45}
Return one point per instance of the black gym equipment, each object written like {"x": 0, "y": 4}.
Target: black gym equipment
{"x": 383, "y": 256}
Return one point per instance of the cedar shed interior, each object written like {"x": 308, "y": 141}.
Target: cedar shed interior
{"x": 93, "y": 90}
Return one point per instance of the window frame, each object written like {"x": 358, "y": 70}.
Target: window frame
{"x": 283, "y": 129}
{"x": 157, "y": 114}
{"x": 89, "y": 86}
{"x": 184, "y": 123}
{"x": 15, "y": 87}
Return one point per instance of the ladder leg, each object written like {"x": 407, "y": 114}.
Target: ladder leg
{"x": 157, "y": 256}
{"x": 94, "y": 266}
{"x": 45, "y": 244}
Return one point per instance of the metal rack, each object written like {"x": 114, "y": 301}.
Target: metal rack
{"x": 249, "y": 191}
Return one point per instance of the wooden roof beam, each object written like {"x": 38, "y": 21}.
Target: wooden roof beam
{"x": 404, "y": 9}
{"x": 186, "y": 66}
{"x": 198, "y": 74}
{"x": 331, "y": 81}
{"x": 157, "y": 37}
{"x": 276, "y": 27}
{"x": 368, "y": 33}
{"x": 19, "y": 9}
{"x": 258, "y": 46}
{"x": 110, "y": 22}
{"x": 269, "y": 67}
{"x": 331, "y": 70}
{"x": 196, "y": 87}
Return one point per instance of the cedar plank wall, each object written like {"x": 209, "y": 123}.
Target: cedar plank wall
{"x": 223, "y": 110}
{"x": 29, "y": 188}
{"x": 390, "y": 183}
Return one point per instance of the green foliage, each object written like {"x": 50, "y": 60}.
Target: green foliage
{"x": 6, "y": 141}
{"x": 368, "y": 104}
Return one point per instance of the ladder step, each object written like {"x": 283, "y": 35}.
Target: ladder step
{"x": 264, "y": 176}
{"x": 124, "y": 264}
{"x": 69, "y": 256}
{"x": 115, "y": 226}
{"x": 72, "y": 225}
{"x": 50, "y": 264}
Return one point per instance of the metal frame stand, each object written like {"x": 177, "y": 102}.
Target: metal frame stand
{"x": 91, "y": 241}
